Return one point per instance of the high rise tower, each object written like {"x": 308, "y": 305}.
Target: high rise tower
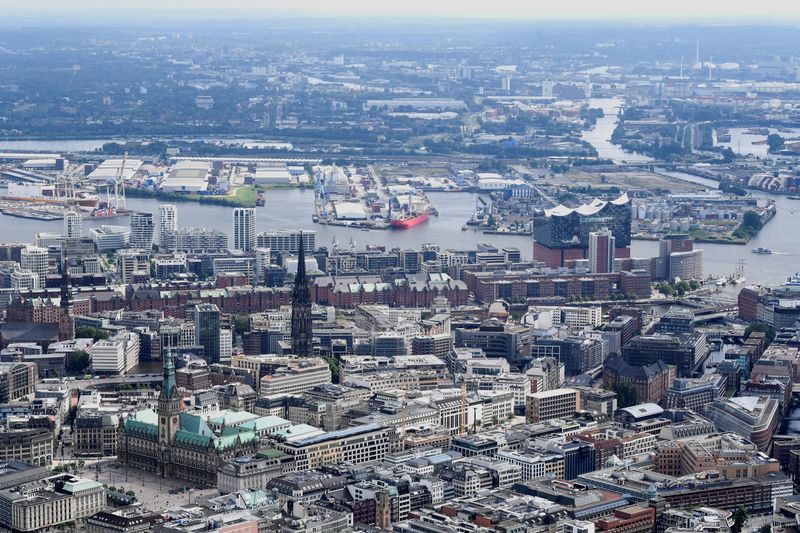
{"x": 142, "y": 230}
{"x": 301, "y": 307}
{"x": 601, "y": 251}
{"x": 244, "y": 229}
{"x": 73, "y": 225}
{"x": 167, "y": 221}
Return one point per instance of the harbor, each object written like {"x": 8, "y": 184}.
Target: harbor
{"x": 354, "y": 197}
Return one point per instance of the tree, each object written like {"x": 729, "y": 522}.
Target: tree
{"x": 77, "y": 362}
{"x": 751, "y": 219}
{"x": 763, "y": 328}
{"x": 774, "y": 142}
{"x": 241, "y": 323}
{"x": 739, "y": 519}
{"x": 88, "y": 332}
{"x": 626, "y": 394}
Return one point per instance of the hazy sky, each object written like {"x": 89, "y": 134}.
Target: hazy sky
{"x": 708, "y": 10}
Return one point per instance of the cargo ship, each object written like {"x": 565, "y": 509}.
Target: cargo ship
{"x": 416, "y": 211}
{"x": 409, "y": 221}
{"x": 47, "y": 194}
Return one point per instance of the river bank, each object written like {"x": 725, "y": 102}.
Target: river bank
{"x": 243, "y": 197}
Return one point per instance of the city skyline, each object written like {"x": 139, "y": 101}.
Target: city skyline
{"x": 441, "y": 266}
{"x": 780, "y": 11}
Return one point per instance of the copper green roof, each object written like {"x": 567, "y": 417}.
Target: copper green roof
{"x": 231, "y": 418}
{"x": 265, "y": 423}
{"x": 143, "y": 423}
{"x": 269, "y": 453}
{"x": 193, "y": 431}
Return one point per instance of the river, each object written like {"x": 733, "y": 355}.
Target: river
{"x": 600, "y": 135}
{"x": 292, "y": 208}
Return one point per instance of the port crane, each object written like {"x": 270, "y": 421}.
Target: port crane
{"x": 113, "y": 203}
{"x": 319, "y": 187}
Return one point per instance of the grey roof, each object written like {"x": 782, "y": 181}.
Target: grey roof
{"x": 29, "y": 332}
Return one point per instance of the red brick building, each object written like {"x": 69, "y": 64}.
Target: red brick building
{"x": 631, "y": 519}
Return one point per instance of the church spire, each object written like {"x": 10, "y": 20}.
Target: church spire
{"x": 301, "y": 307}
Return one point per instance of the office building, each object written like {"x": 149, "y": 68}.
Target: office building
{"x": 142, "y": 230}
{"x": 296, "y": 375}
{"x": 132, "y": 260}
{"x": 56, "y": 502}
{"x": 685, "y": 351}
{"x": 167, "y": 221}
{"x": 24, "y": 280}
{"x": 94, "y": 433}
{"x": 597, "y": 400}
{"x": 579, "y": 354}
{"x": 755, "y": 418}
{"x": 194, "y": 240}
{"x": 650, "y": 381}
{"x": 73, "y": 225}
{"x": 579, "y": 456}
{"x": 251, "y": 472}
{"x": 676, "y": 320}
{"x": 677, "y": 258}
{"x": 37, "y": 260}
{"x": 109, "y": 238}
{"x": 244, "y": 229}
{"x": 355, "y": 445}
{"x": 601, "y": 252}
{"x": 495, "y": 338}
{"x": 116, "y": 355}
{"x": 31, "y": 445}
{"x": 695, "y": 393}
{"x": 556, "y": 403}
{"x": 17, "y": 380}
{"x": 287, "y": 241}
{"x": 207, "y": 331}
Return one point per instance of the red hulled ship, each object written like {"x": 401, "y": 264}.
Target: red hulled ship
{"x": 409, "y": 221}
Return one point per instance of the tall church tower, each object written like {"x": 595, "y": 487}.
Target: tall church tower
{"x": 169, "y": 406}
{"x": 66, "y": 323}
{"x": 301, "y": 307}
